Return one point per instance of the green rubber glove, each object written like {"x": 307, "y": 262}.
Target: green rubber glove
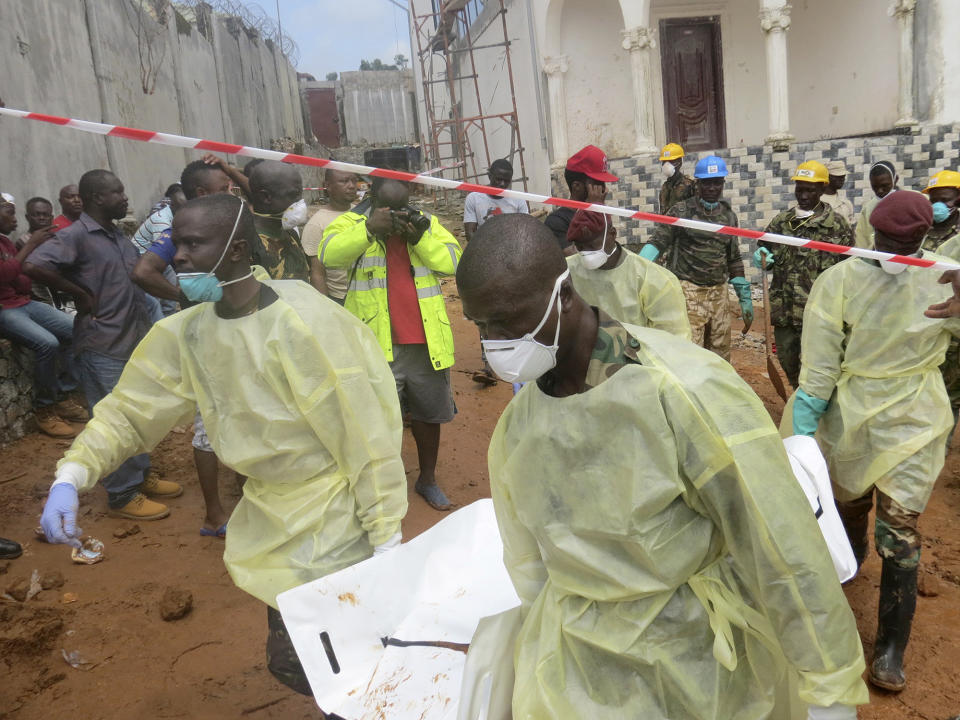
{"x": 742, "y": 286}
{"x": 649, "y": 252}
{"x": 807, "y": 411}
{"x": 762, "y": 258}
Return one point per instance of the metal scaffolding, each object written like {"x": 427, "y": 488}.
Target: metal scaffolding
{"x": 448, "y": 69}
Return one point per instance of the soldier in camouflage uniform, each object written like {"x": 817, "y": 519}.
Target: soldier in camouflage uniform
{"x": 705, "y": 262}
{"x": 795, "y": 269}
{"x": 943, "y": 238}
{"x": 677, "y": 187}
{"x": 276, "y": 188}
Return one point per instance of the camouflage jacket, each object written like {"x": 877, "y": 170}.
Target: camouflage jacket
{"x": 703, "y": 258}
{"x": 937, "y": 236}
{"x": 279, "y": 251}
{"x": 615, "y": 349}
{"x": 676, "y": 188}
{"x": 795, "y": 269}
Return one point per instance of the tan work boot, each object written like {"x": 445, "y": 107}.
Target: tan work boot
{"x": 72, "y": 411}
{"x": 51, "y": 424}
{"x": 155, "y": 487}
{"x": 141, "y": 508}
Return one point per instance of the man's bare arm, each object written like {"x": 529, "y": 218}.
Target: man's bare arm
{"x": 148, "y": 274}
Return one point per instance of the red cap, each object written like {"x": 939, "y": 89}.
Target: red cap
{"x": 901, "y": 214}
{"x": 593, "y": 163}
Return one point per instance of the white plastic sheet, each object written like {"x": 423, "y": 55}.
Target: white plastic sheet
{"x": 434, "y": 588}
{"x": 811, "y": 470}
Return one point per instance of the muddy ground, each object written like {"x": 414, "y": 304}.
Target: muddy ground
{"x": 210, "y": 664}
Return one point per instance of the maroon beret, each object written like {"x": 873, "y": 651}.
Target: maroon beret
{"x": 900, "y": 214}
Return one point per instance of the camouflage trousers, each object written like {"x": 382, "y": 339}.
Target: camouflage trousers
{"x": 709, "y": 312}
{"x": 895, "y": 530}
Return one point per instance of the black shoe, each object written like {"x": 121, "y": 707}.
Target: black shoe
{"x": 898, "y": 602}
{"x": 9, "y": 549}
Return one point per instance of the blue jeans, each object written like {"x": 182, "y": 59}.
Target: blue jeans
{"x": 48, "y": 332}
{"x": 99, "y": 374}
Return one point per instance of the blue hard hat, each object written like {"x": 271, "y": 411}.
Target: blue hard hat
{"x": 710, "y": 167}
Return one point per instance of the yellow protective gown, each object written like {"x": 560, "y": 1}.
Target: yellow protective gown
{"x": 869, "y": 350}
{"x": 636, "y": 291}
{"x": 297, "y": 397}
{"x": 666, "y": 560}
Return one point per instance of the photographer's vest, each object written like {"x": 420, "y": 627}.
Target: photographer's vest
{"x": 367, "y": 294}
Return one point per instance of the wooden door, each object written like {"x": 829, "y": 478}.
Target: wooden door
{"x": 693, "y": 82}
{"x": 324, "y": 115}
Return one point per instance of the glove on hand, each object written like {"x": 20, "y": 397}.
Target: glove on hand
{"x": 763, "y": 258}
{"x": 59, "y": 519}
{"x": 806, "y": 413}
{"x": 649, "y": 252}
{"x": 742, "y": 286}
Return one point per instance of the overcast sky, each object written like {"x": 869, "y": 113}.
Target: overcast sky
{"x": 335, "y": 35}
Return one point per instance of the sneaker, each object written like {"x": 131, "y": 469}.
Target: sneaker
{"x": 155, "y": 487}
{"x": 51, "y": 424}
{"x": 72, "y": 411}
{"x": 141, "y": 508}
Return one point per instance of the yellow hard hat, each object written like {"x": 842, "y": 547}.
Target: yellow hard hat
{"x": 671, "y": 151}
{"x": 811, "y": 171}
{"x": 944, "y": 179}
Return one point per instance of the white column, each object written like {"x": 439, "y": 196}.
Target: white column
{"x": 903, "y": 10}
{"x": 554, "y": 68}
{"x": 639, "y": 42}
{"x": 775, "y": 20}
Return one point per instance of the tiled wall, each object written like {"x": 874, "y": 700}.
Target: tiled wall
{"x": 759, "y": 186}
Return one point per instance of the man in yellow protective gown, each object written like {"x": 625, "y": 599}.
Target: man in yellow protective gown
{"x": 871, "y": 390}
{"x": 632, "y": 289}
{"x": 295, "y": 394}
{"x": 663, "y": 552}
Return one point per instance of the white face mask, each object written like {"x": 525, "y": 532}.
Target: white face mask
{"x": 595, "y": 259}
{"x": 802, "y": 213}
{"x": 894, "y": 268}
{"x": 668, "y": 169}
{"x": 524, "y": 359}
{"x": 295, "y": 215}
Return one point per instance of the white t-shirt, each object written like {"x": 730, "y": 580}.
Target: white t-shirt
{"x": 338, "y": 279}
{"x": 479, "y": 207}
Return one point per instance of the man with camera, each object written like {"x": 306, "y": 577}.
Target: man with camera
{"x": 395, "y": 255}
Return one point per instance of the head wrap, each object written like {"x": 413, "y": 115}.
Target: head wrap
{"x": 900, "y": 215}
{"x": 885, "y": 165}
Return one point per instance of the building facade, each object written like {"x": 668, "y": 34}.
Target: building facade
{"x": 764, "y": 83}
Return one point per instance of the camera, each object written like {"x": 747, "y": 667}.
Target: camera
{"x": 420, "y": 222}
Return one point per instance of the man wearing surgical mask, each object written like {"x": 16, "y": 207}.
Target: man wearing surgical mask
{"x": 871, "y": 393}
{"x": 607, "y": 275}
{"x": 705, "y": 262}
{"x": 943, "y": 190}
{"x": 677, "y": 187}
{"x": 646, "y": 508}
{"x": 795, "y": 269}
{"x": 276, "y": 192}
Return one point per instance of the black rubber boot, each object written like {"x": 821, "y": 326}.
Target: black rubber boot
{"x": 898, "y": 602}
{"x": 856, "y": 524}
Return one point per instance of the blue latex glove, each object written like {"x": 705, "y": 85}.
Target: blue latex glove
{"x": 59, "y": 519}
{"x": 806, "y": 413}
{"x": 763, "y": 258}
{"x": 649, "y": 252}
{"x": 742, "y": 286}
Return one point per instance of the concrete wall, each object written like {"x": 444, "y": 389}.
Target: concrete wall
{"x": 378, "y": 107}
{"x": 80, "y": 59}
{"x": 937, "y": 60}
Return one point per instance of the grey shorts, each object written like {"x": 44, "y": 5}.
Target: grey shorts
{"x": 200, "y": 441}
{"x": 425, "y": 393}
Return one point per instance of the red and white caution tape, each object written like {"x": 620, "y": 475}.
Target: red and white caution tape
{"x": 181, "y": 141}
